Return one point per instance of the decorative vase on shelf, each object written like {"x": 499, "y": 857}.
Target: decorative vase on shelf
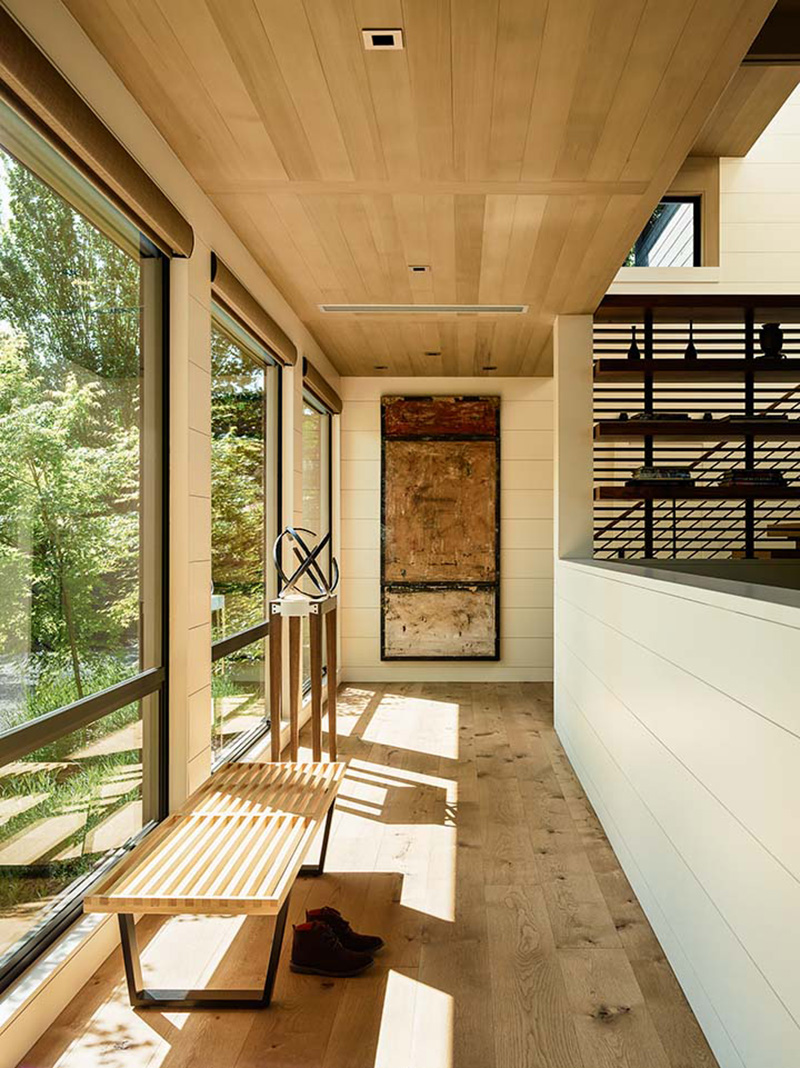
{"x": 690, "y": 352}
{"x": 633, "y": 351}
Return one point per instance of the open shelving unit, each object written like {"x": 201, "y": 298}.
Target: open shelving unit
{"x": 724, "y": 390}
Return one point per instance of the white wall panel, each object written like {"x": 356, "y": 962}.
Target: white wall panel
{"x": 678, "y": 708}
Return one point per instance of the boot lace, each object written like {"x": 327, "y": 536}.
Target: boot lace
{"x": 331, "y": 937}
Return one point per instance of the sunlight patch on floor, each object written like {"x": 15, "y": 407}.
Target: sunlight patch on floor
{"x": 416, "y": 1025}
{"x": 414, "y": 723}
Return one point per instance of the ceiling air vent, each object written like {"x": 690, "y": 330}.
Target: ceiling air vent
{"x": 426, "y": 309}
{"x": 381, "y": 40}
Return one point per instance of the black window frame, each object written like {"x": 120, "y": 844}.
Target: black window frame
{"x": 697, "y": 227}
{"x": 232, "y": 643}
{"x": 27, "y": 737}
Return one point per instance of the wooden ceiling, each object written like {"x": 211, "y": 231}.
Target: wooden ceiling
{"x": 745, "y": 109}
{"x": 516, "y": 147}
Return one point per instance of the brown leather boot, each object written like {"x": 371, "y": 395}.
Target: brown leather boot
{"x": 316, "y": 950}
{"x": 360, "y": 943}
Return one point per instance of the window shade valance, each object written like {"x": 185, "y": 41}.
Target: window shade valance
{"x": 240, "y": 303}
{"x": 34, "y": 88}
{"x": 315, "y": 383}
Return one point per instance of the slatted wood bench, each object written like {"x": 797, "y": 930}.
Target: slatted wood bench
{"x": 234, "y": 848}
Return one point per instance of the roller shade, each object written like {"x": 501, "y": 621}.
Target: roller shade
{"x": 315, "y": 383}
{"x": 34, "y": 88}
{"x": 240, "y": 303}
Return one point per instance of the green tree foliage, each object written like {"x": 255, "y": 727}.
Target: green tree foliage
{"x": 69, "y": 447}
{"x": 237, "y": 479}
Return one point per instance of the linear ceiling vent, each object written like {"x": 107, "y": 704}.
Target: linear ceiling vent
{"x": 426, "y": 309}
{"x": 382, "y": 40}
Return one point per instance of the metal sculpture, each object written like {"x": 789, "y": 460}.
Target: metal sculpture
{"x": 308, "y": 565}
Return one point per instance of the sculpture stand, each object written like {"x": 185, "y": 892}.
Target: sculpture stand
{"x": 295, "y": 609}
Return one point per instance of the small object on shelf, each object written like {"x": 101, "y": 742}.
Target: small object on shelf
{"x": 691, "y": 351}
{"x": 662, "y": 415}
{"x": 633, "y": 351}
{"x": 707, "y": 416}
{"x": 753, "y": 476}
{"x": 623, "y": 416}
{"x": 660, "y": 476}
{"x": 770, "y": 338}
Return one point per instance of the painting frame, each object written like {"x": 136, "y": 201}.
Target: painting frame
{"x": 485, "y": 432}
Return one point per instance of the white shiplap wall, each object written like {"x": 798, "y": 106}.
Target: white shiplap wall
{"x": 679, "y": 709}
{"x": 526, "y": 503}
{"x": 759, "y": 219}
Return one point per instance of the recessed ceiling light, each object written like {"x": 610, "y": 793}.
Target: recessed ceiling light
{"x": 418, "y": 268}
{"x": 382, "y": 40}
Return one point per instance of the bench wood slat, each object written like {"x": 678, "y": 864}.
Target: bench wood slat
{"x": 235, "y": 846}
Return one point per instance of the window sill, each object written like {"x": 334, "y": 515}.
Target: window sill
{"x": 31, "y": 1004}
{"x": 637, "y": 279}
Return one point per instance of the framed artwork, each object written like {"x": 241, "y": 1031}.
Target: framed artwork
{"x": 440, "y": 528}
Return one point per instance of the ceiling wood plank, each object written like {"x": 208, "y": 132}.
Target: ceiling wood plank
{"x": 242, "y": 32}
{"x": 613, "y": 31}
{"x": 469, "y": 218}
{"x": 520, "y": 31}
{"x": 657, "y": 37}
{"x": 296, "y": 57}
{"x": 342, "y": 57}
{"x": 744, "y": 110}
{"x": 566, "y": 37}
{"x": 427, "y": 26}
{"x": 474, "y": 35}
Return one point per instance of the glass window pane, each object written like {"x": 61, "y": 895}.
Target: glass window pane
{"x": 669, "y": 239}
{"x": 239, "y": 696}
{"x": 238, "y": 471}
{"x": 312, "y": 468}
{"x": 80, "y": 379}
{"x": 65, "y": 808}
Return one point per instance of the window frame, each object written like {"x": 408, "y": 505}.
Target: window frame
{"x": 32, "y": 152}
{"x": 232, "y": 643}
{"x": 313, "y": 401}
{"x": 696, "y": 200}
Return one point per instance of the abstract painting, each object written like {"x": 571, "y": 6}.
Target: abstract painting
{"x": 440, "y": 528}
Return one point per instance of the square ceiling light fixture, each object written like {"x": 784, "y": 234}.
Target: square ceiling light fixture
{"x": 382, "y": 40}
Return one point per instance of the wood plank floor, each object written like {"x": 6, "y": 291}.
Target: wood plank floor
{"x": 513, "y": 938}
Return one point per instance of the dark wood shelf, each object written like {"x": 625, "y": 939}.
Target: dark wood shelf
{"x": 697, "y": 429}
{"x": 614, "y": 369}
{"x": 696, "y": 493}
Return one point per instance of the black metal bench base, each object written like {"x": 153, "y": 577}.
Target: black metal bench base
{"x": 142, "y": 998}
{"x": 313, "y": 870}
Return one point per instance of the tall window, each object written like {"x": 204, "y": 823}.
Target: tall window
{"x": 244, "y": 496}
{"x": 317, "y": 422}
{"x": 81, "y": 490}
{"x": 672, "y": 237}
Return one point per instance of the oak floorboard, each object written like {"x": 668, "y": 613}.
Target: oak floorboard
{"x": 533, "y": 1021}
{"x": 614, "y": 1026}
{"x": 463, "y": 837}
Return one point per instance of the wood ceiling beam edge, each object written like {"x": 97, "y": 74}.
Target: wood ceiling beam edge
{"x": 421, "y": 187}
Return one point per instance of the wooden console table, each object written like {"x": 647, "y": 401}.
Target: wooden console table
{"x": 295, "y": 609}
